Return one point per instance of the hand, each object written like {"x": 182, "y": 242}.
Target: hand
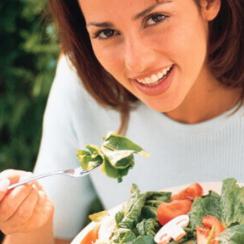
{"x": 25, "y": 208}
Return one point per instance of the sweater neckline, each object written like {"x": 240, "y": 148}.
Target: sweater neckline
{"x": 214, "y": 123}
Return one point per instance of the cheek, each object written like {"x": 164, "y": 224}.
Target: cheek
{"x": 192, "y": 45}
{"x": 109, "y": 58}
{"x": 184, "y": 44}
{"x": 186, "y": 48}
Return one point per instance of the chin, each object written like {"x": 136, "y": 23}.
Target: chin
{"x": 162, "y": 106}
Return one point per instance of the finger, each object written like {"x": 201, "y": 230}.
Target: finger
{"x": 15, "y": 176}
{"x": 42, "y": 213}
{"x": 12, "y": 175}
{"x": 4, "y": 183}
{"x": 27, "y": 175}
{"x": 40, "y": 207}
{"x": 37, "y": 185}
{"x": 13, "y": 200}
{"x": 22, "y": 215}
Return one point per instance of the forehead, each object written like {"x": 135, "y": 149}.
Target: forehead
{"x": 95, "y": 8}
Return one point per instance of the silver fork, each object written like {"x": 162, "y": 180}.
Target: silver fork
{"x": 75, "y": 172}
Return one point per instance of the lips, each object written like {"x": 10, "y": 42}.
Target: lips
{"x": 156, "y": 77}
{"x": 158, "y": 87}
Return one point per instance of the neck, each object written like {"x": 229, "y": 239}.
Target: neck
{"x": 206, "y": 100}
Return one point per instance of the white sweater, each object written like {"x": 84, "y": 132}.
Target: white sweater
{"x": 179, "y": 153}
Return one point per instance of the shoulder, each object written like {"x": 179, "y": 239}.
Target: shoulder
{"x": 68, "y": 93}
{"x": 70, "y": 104}
{"x": 66, "y": 81}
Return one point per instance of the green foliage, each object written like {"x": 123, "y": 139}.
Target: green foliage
{"x": 28, "y": 54}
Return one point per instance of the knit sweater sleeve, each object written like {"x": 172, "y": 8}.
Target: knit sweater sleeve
{"x": 71, "y": 196}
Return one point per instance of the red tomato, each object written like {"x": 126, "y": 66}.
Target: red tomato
{"x": 169, "y": 210}
{"x": 91, "y": 236}
{"x": 190, "y": 192}
{"x": 202, "y": 235}
{"x": 208, "y": 223}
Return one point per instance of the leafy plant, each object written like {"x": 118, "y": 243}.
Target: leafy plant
{"x": 29, "y": 51}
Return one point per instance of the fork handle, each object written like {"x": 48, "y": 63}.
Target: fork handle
{"x": 35, "y": 177}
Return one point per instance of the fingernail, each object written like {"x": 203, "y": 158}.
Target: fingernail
{"x": 4, "y": 183}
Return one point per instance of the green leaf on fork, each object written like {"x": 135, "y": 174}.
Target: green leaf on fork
{"x": 116, "y": 156}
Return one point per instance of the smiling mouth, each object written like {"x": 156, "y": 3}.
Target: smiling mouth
{"x": 156, "y": 78}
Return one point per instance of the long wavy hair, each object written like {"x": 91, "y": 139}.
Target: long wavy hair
{"x": 225, "y": 53}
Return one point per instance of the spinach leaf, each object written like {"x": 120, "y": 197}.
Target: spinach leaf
{"x": 90, "y": 157}
{"x": 133, "y": 214}
{"x": 228, "y": 207}
{"x": 183, "y": 242}
{"x": 144, "y": 240}
{"x": 232, "y": 235}
{"x": 116, "y": 155}
{"x": 123, "y": 235}
{"x": 153, "y": 200}
{"x": 147, "y": 227}
{"x": 206, "y": 205}
{"x": 115, "y": 142}
{"x": 232, "y": 202}
{"x": 139, "y": 240}
{"x": 114, "y": 172}
{"x": 135, "y": 217}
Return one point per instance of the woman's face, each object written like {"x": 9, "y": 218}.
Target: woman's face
{"x": 155, "y": 49}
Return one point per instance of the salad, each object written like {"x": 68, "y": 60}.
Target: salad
{"x": 186, "y": 217}
{"x": 115, "y": 155}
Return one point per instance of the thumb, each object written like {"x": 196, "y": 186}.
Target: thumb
{"x": 4, "y": 183}
{"x": 12, "y": 175}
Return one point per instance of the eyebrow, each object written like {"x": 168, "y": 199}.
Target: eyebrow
{"x": 150, "y": 8}
{"x": 137, "y": 16}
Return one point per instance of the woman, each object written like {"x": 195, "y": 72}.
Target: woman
{"x": 183, "y": 60}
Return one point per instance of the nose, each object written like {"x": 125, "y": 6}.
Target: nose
{"x": 138, "y": 56}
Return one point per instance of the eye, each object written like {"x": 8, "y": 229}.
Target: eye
{"x": 105, "y": 34}
{"x": 154, "y": 19}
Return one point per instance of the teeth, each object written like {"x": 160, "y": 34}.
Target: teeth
{"x": 155, "y": 77}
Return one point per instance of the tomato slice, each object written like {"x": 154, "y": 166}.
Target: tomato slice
{"x": 169, "y": 210}
{"x": 202, "y": 235}
{"x": 91, "y": 236}
{"x": 209, "y": 223}
{"x": 190, "y": 192}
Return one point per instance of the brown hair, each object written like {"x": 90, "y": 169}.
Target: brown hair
{"x": 225, "y": 54}
{"x": 226, "y": 44}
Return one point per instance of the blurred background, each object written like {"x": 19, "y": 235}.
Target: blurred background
{"x": 28, "y": 55}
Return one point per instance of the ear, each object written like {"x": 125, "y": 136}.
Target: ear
{"x": 210, "y": 8}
